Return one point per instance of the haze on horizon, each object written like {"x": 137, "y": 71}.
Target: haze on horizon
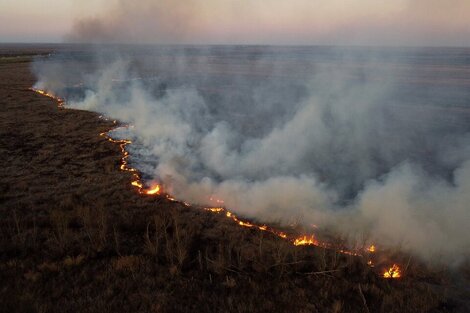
{"x": 341, "y": 22}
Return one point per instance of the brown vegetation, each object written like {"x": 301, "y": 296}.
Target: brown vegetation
{"x": 75, "y": 237}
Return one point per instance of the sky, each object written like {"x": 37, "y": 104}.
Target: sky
{"x": 342, "y": 22}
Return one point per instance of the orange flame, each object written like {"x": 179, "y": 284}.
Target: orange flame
{"x": 136, "y": 183}
{"x": 136, "y": 180}
{"x": 306, "y": 241}
{"x": 50, "y": 95}
{"x": 371, "y": 249}
{"x": 393, "y": 272}
{"x": 215, "y": 210}
{"x": 153, "y": 191}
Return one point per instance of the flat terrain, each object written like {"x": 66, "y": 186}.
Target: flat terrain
{"x": 75, "y": 237}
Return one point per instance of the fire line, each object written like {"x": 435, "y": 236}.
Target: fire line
{"x": 156, "y": 189}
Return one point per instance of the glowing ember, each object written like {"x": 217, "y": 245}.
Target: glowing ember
{"x": 215, "y": 210}
{"x": 393, "y": 272}
{"x": 50, "y": 95}
{"x": 136, "y": 179}
{"x": 245, "y": 224}
{"x": 306, "y": 241}
{"x": 371, "y": 249}
{"x": 153, "y": 191}
{"x": 136, "y": 183}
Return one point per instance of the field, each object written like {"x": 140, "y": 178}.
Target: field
{"x": 75, "y": 237}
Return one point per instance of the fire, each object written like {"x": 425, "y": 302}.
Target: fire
{"x": 136, "y": 179}
{"x": 245, "y": 224}
{"x": 153, "y": 191}
{"x": 306, "y": 241}
{"x": 50, "y": 95}
{"x": 136, "y": 183}
{"x": 215, "y": 210}
{"x": 393, "y": 272}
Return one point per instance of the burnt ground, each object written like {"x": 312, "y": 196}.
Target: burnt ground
{"x": 75, "y": 237}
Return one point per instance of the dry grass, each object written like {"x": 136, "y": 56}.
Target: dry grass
{"x": 75, "y": 238}
{"x": 95, "y": 225}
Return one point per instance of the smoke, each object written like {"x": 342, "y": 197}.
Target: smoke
{"x": 363, "y": 142}
{"x": 423, "y": 214}
{"x": 138, "y": 22}
{"x": 343, "y": 139}
{"x": 405, "y": 22}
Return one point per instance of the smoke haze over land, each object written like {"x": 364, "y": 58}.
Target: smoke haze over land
{"x": 368, "y": 142}
{"x": 352, "y": 22}
{"x": 334, "y": 22}
{"x": 346, "y": 139}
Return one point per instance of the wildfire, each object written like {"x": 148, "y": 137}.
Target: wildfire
{"x": 137, "y": 183}
{"x": 247, "y": 224}
{"x": 136, "y": 179}
{"x": 306, "y": 241}
{"x": 215, "y": 210}
{"x": 153, "y": 191}
{"x": 393, "y": 272}
{"x": 50, "y": 95}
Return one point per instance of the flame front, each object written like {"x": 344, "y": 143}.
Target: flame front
{"x": 246, "y": 224}
{"x": 306, "y": 241}
{"x": 393, "y": 272}
{"x": 153, "y": 191}
{"x": 136, "y": 179}
{"x": 50, "y": 95}
{"x": 137, "y": 183}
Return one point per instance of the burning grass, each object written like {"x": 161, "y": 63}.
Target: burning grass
{"x": 75, "y": 237}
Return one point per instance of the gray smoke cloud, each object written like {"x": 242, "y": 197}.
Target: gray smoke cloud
{"x": 345, "y": 145}
{"x": 404, "y": 22}
{"x": 349, "y": 140}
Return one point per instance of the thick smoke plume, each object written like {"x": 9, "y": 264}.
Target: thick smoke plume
{"x": 345, "y": 144}
{"x": 367, "y": 142}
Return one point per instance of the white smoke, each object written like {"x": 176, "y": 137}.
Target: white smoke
{"x": 340, "y": 157}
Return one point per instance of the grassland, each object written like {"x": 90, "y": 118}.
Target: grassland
{"x": 75, "y": 237}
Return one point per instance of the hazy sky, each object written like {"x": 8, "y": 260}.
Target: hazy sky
{"x": 372, "y": 22}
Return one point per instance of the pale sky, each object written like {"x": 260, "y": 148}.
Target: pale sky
{"x": 356, "y": 22}
{"x": 43, "y": 20}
